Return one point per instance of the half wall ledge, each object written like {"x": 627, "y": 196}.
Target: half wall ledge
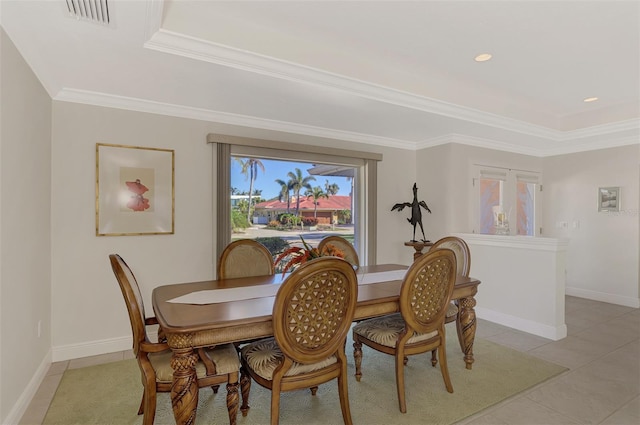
{"x": 523, "y": 281}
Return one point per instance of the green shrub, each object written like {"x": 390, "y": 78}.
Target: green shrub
{"x": 274, "y": 244}
{"x": 310, "y": 221}
{"x": 239, "y": 220}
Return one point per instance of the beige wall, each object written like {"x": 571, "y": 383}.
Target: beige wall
{"x": 444, "y": 182}
{"x": 602, "y": 260}
{"x": 82, "y": 280}
{"x": 25, "y": 260}
{"x": 47, "y": 194}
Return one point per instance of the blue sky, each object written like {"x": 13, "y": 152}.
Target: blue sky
{"x": 278, "y": 170}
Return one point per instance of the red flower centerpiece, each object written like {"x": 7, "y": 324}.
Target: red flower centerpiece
{"x": 294, "y": 256}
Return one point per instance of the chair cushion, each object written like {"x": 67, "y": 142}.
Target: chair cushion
{"x": 225, "y": 357}
{"x": 385, "y": 330}
{"x": 264, "y": 356}
{"x": 452, "y": 310}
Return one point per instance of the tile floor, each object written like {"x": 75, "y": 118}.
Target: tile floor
{"x": 602, "y": 351}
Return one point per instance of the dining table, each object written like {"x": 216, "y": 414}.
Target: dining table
{"x": 207, "y": 313}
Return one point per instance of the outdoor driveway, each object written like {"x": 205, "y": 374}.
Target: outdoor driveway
{"x": 313, "y": 237}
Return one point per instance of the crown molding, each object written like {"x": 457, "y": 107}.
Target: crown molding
{"x": 142, "y": 105}
{"x": 198, "y": 49}
{"x": 582, "y": 146}
{"x": 601, "y": 130}
{"x": 152, "y": 107}
{"x": 153, "y": 18}
{"x": 480, "y": 142}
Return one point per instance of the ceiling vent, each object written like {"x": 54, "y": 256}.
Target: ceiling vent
{"x": 89, "y": 10}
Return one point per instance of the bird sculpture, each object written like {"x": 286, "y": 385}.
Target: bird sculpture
{"x": 416, "y": 213}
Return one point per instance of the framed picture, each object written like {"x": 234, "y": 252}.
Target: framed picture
{"x": 134, "y": 190}
{"x": 609, "y": 199}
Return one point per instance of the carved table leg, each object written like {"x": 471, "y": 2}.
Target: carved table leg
{"x": 184, "y": 390}
{"x": 466, "y": 326}
{"x": 233, "y": 399}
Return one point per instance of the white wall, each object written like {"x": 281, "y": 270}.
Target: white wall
{"x": 25, "y": 258}
{"x": 89, "y": 315}
{"x": 602, "y": 260}
{"x": 444, "y": 182}
{"x": 82, "y": 311}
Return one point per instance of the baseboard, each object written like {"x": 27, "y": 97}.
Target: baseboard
{"x": 529, "y": 326}
{"x": 95, "y": 348}
{"x": 25, "y": 398}
{"x": 603, "y": 296}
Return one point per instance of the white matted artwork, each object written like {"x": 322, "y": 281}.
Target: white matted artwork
{"x": 609, "y": 199}
{"x": 134, "y": 190}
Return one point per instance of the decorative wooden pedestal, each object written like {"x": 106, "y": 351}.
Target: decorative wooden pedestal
{"x": 418, "y": 246}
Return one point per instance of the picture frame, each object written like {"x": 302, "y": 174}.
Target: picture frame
{"x": 608, "y": 199}
{"x": 134, "y": 190}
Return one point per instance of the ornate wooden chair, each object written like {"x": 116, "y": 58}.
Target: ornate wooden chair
{"x": 312, "y": 315}
{"x": 243, "y": 258}
{"x": 419, "y": 327}
{"x": 343, "y": 245}
{"x": 216, "y": 366}
{"x": 463, "y": 261}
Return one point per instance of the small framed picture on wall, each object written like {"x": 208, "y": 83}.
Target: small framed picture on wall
{"x": 134, "y": 190}
{"x": 609, "y": 199}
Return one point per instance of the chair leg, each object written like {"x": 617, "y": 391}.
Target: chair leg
{"x": 314, "y": 390}
{"x": 275, "y": 405}
{"x": 343, "y": 391}
{"x": 149, "y": 407}
{"x": 215, "y": 388}
{"x": 245, "y": 388}
{"x": 434, "y": 358}
{"x": 232, "y": 400}
{"x": 443, "y": 367}
{"x": 141, "y": 409}
{"x": 400, "y": 381}
{"x": 357, "y": 356}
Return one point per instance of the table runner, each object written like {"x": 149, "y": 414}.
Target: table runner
{"x": 213, "y": 296}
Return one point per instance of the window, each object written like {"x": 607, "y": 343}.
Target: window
{"x": 506, "y": 201}
{"x": 324, "y": 160}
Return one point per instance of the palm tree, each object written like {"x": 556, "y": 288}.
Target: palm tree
{"x": 331, "y": 189}
{"x": 316, "y": 193}
{"x": 298, "y": 182}
{"x": 250, "y": 170}
{"x": 285, "y": 192}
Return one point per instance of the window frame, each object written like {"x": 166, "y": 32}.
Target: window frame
{"x": 365, "y": 187}
{"x": 511, "y": 178}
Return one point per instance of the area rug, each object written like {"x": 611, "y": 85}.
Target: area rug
{"x": 111, "y": 393}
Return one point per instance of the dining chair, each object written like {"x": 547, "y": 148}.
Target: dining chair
{"x": 419, "y": 327}
{"x": 214, "y": 366}
{"x": 245, "y": 258}
{"x": 463, "y": 261}
{"x": 343, "y": 245}
{"x": 312, "y": 314}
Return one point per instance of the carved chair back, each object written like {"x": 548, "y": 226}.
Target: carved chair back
{"x": 460, "y": 249}
{"x": 314, "y": 309}
{"x": 244, "y": 258}
{"x": 426, "y": 291}
{"x": 133, "y": 300}
{"x": 343, "y": 245}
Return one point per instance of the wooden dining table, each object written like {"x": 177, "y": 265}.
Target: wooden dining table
{"x": 188, "y": 327}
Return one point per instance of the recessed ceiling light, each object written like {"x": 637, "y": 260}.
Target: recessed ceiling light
{"x": 590, "y": 99}
{"x": 482, "y": 57}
